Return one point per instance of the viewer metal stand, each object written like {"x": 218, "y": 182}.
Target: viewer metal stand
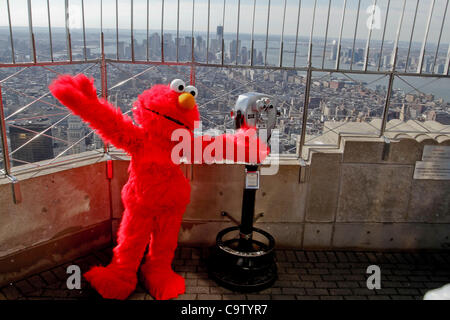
{"x": 246, "y": 262}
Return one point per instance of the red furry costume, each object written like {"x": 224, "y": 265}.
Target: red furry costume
{"x": 157, "y": 193}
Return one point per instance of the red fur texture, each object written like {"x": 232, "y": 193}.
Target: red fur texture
{"x": 156, "y": 194}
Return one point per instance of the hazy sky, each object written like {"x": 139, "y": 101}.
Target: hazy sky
{"x": 19, "y": 15}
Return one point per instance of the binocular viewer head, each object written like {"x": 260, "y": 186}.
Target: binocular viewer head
{"x": 255, "y": 110}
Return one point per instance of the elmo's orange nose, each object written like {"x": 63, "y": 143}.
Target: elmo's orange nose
{"x": 186, "y": 101}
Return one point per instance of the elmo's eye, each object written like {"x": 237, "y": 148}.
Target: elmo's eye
{"x": 177, "y": 85}
{"x": 192, "y": 90}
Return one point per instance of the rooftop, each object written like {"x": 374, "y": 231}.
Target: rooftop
{"x": 302, "y": 275}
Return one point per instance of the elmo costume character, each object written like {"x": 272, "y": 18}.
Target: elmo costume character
{"x": 157, "y": 193}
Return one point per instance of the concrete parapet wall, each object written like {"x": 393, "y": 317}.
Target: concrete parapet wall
{"x": 356, "y": 196}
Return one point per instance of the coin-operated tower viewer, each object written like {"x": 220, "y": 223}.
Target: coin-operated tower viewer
{"x": 243, "y": 257}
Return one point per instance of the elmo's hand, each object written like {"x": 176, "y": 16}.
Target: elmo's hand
{"x": 242, "y": 146}
{"x": 74, "y": 92}
{"x": 250, "y": 148}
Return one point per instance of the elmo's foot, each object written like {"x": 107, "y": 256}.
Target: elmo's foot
{"x": 111, "y": 283}
{"x": 163, "y": 285}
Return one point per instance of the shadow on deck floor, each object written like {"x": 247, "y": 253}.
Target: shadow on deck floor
{"x": 339, "y": 275}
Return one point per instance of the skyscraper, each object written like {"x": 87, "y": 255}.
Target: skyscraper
{"x": 333, "y": 53}
{"x": 234, "y": 48}
{"x": 188, "y": 42}
{"x": 199, "y": 42}
{"x": 260, "y": 59}
{"x": 219, "y": 34}
{"x": 387, "y": 61}
{"x": 244, "y": 55}
{"x": 440, "y": 68}
{"x": 40, "y": 148}
{"x": 121, "y": 49}
{"x": 75, "y": 132}
{"x": 155, "y": 45}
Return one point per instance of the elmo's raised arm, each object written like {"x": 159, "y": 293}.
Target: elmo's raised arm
{"x": 80, "y": 96}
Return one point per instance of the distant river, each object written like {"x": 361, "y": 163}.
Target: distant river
{"x": 439, "y": 88}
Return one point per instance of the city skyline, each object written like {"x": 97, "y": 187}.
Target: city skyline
{"x": 118, "y": 46}
{"x": 92, "y": 19}
{"x": 338, "y": 101}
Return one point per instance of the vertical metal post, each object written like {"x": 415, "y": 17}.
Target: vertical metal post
{"x": 391, "y": 75}
{"x": 282, "y": 35}
{"x": 101, "y": 16}
{"x": 305, "y": 108}
{"x": 11, "y": 39}
{"x": 253, "y": 35}
{"x": 311, "y": 35}
{"x": 326, "y": 34}
{"x": 425, "y": 38}
{"x": 30, "y": 28}
{"x": 178, "y": 28}
{"x": 68, "y": 41}
{"x": 338, "y": 55}
{"x": 84, "y": 30}
{"x": 207, "y": 32}
{"x": 296, "y": 32}
{"x": 148, "y": 22}
{"x": 17, "y": 196}
{"x": 104, "y": 78}
{"x": 267, "y": 34}
{"x": 354, "y": 36}
{"x": 237, "y": 31}
{"x": 162, "y": 31}
{"x": 447, "y": 62}
{"x": 192, "y": 75}
{"x": 307, "y": 86}
{"x": 192, "y": 34}
{"x": 50, "y": 31}
{"x": 412, "y": 34}
{"x": 6, "y": 159}
{"x": 440, "y": 35}
{"x": 366, "y": 59}
{"x": 397, "y": 37}
{"x": 132, "y": 31}
{"x": 223, "y": 31}
{"x": 103, "y": 70}
{"x": 247, "y": 214}
{"x": 117, "y": 30}
{"x": 387, "y": 103}
{"x": 104, "y": 92}
{"x": 384, "y": 34}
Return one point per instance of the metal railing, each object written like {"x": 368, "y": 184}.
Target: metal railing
{"x": 295, "y": 40}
